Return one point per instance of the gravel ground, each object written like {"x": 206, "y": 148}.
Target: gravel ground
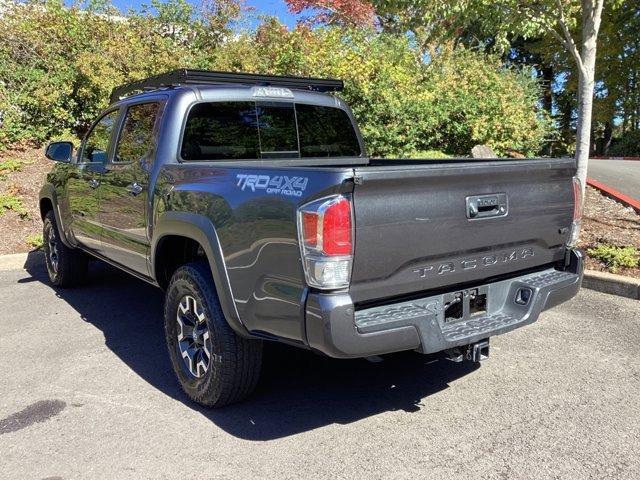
{"x": 606, "y": 221}
{"x": 87, "y": 392}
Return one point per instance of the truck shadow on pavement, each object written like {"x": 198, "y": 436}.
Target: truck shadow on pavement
{"x": 298, "y": 390}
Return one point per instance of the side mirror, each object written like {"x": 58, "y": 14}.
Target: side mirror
{"x": 59, "y": 151}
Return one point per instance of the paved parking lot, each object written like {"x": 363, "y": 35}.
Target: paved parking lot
{"x": 623, "y": 175}
{"x": 87, "y": 393}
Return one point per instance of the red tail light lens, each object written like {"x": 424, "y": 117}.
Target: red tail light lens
{"x": 326, "y": 241}
{"x": 336, "y": 228}
{"x": 326, "y": 227}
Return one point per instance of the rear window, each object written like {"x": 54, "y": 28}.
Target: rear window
{"x": 263, "y": 130}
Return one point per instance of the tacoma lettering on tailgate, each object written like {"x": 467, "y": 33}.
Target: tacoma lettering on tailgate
{"x": 477, "y": 262}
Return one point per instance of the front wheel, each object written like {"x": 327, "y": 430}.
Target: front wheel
{"x": 66, "y": 267}
{"x": 214, "y": 365}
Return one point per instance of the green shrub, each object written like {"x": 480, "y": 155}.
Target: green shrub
{"x": 428, "y": 154}
{"x": 35, "y": 241}
{"x": 403, "y": 104}
{"x": 615, "y": 257}
{"x": 58, "y": 66}
{"x": 8, "y": 166}
{"x": 12, "y": 202}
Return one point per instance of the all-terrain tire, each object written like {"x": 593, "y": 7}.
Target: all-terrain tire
{"x": 66, "y": 267}
{"x": 220, "y": 367}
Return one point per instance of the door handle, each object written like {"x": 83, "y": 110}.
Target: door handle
{"x": 93, "y": 183}
{"x": 135, "y": 188}
{"x": 487, "y": 206}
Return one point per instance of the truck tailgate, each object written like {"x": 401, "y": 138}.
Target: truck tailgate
{"x": 433, "y": 225}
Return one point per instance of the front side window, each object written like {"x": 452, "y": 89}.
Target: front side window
{"x": 260, "y": 130}
{"x": 96, "y": 145}
{"x": 136, "y": 142}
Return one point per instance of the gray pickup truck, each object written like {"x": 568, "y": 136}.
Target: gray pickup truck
{"x": 250, "y": 200}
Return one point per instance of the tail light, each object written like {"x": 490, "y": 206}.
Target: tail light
{"x": 325, "y": 232}
{"x": 577, "y": 213}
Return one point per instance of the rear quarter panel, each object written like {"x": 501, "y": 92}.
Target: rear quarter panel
{"x": 255, "y": 222}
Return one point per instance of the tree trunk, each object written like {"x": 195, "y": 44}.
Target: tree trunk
{"x": 547, "y": 88}
{"x": 547, "y": 96}
{"x": 591, "y": 12}
{"x": 608, "y": 136}
{"x": 583, "y": 131}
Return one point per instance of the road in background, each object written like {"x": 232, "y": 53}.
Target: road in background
{"x": 622, "y": 175}
{"x": 87, "y": 392}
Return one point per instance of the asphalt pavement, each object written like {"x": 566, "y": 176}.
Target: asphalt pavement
{"x": 623, "y": 175}
{"x": 87, "y": 393}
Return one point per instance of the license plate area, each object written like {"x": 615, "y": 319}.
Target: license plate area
{"x": 465, "y": 304}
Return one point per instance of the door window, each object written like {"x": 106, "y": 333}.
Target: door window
{"x": 137, "y": 138}
{"x": 96, "y": 145}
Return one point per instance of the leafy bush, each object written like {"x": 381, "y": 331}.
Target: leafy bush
{"x": 615, "y": 257}
{"x": 403, "y": 104}
{"x": 58, "y": 66}
{"x": 8, "y": 166}
{"x": 12, "y": 202}
{"x": 35, "y": 241}
{"x": 428, "y": 154}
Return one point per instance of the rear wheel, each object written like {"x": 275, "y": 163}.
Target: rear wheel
{"x": 66, "y": 267}
{"x": 214, "y": 366}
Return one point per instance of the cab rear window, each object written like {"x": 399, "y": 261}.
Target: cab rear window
{"x": 264, "y": 130}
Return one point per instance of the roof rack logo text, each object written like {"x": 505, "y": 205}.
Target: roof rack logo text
{"x": 275, "y": 185}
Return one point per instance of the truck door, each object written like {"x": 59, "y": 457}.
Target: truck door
{"x": 125, "y": 184}
{"x": 84, "y": 183}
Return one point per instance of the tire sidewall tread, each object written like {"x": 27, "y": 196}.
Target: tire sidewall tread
{"x": 235, "y": 363}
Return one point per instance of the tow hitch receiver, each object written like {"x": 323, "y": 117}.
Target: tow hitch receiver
{"x": 476, "y": 352}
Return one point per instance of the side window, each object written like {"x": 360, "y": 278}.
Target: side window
{"x": 96, "y": 146}
{"x": 137, "y": 137}
{"x": 221, "y": 131}
{"x": 326, "y": 132}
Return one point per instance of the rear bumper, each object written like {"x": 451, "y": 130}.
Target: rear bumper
{"x": 336, "y": 329}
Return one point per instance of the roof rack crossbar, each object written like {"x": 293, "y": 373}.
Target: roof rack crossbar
{"x": 205, "y": 77}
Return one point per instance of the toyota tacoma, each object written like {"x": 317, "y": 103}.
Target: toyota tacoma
{"x": 250, "y": 200}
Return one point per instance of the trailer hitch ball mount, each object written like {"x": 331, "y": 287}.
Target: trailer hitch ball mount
{"x": 474, "y": 352}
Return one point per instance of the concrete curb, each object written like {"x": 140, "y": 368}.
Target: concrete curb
{"x": 16, "y": 261}
{"x": 612, "y": 284}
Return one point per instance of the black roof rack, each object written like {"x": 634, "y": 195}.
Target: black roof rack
{"x": 185, "y": 76}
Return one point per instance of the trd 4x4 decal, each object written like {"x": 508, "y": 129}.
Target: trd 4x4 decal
{"x": 275, "y": 185}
